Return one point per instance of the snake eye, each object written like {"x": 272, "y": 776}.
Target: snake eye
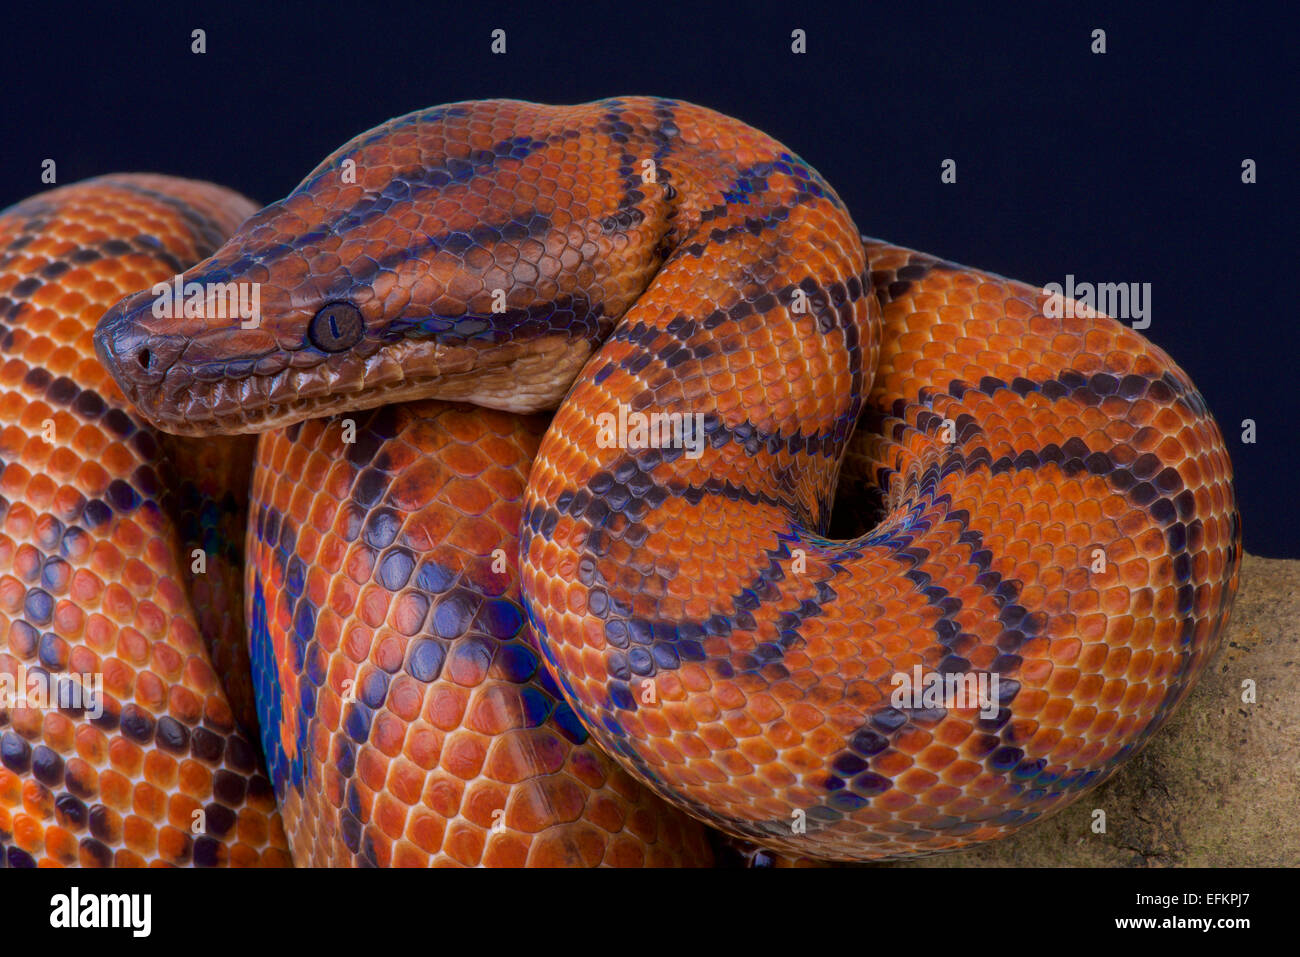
{"x": 337, "y": 326}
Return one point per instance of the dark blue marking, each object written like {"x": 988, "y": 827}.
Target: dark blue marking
{"x": 39, "y": 606}
{"x": 516, "y": 662}
{"x": 373, "y": 689}
{"x": 564, "y": 718}
{"x": 426, "y": 659}
{"x": 284, "y": 771}
{"x": 501, "y": 618}
{"x": 405, "y": 185}
{"x": 356, "y": 721}
{"x": 434, "y": 578}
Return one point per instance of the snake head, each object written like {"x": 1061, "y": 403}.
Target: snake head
{"x": 475, "y": 251}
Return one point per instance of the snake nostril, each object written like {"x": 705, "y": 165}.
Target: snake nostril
{"x": 144, "y": 357}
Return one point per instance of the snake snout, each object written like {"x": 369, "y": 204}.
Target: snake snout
{"x": 135, "y": 357}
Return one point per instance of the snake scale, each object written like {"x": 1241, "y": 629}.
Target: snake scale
{"x": 479, "y": 636}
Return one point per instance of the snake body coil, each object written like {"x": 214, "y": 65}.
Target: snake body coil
{"x": 118, "y": 746}
{"x": 1039, "y": 502}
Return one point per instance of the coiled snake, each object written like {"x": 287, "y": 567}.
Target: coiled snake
{"x": 1034, "y": 502}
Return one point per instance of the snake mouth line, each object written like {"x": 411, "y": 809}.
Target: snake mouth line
{"x": 528, "y": 377}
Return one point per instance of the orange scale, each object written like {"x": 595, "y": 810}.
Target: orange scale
{"x": 676, "y": 750}
{"x": 1081, "y": 719}
{"x": 936, "y": 757}
{"x": 631, "y": 854}
{"x": 1134, "y": 698}
{"x": 244, "y": 855}
{"x": 388, "y": 652}
{"x": 27, "y": 721}
{"x": 28, "y": 834}
{"x": 57, "y": 731}
{"x": 408, "y": 612}
{"x": 1089, "y": 687}
{"x": 181, "y": 810}
{"x": 255, "y": 830}
{"x": 82, "y": 778}
{"x": 951, "y": 732}
{"x": 27, "y": 562}
{"x": 702, "y": 708}
{"x": 1090, "y": 752}
{"x": 942, "y": 795}
{"x": 199, "y": 676}
{"x": 988, "y": 787}
{"x": 332, "y": 550}
{"x": 41, "y": 489}
{"x": 333, "y": 790}
{"x": 216, "y": 709}
{"x": 1093, "y": 658}
{"x": 895, "y": 801}
{"x": 1165, "y": 634}
{"x": 61, "y": 846}
{"x": 733, "y": 764}
{"x": 115, "y": 787}
{"x": 174, "y": 846}
{"x": 468, "y": 497}
{"x": 92, "y": 745}
{"x": 118, "y": 603}
{"x": 583, "y": 848}
{"x": 911, "y": 740}
{"x": 360, "y": 565}
{"x": 1065, "y": 651}
{"x": 150, "y": 691}
{"x": 12, "y": 595}
{"x": 652, "y": 721}
{"x": 141, "y": 580}
{"x": 405, "y": 697}
{"x": 160, "y": 769}
{"x": 126, "y": 757}
{"x": 464, "y": 843}
{"x": 372, "y": 609}
{"x": 184, "y": 705}
{"x": 507, "y": 850}
{"x": 697, "y": 775}
{"x": 1043, "y": 742}
{"x": 388, "y": 734}
{"x": 195, "y": 779}
{"x": 149, "y": 801}
{"x": 514, "y": 757}
{"x": 463, "y": 755}
{"x": 372, "y": 770}
{"x": 356, "y": 645}
{"x": 485, "y": 802}
{"x": 891, "y": 763}
{"x": 407, "y": 854}
{"x": 803, "y": 717}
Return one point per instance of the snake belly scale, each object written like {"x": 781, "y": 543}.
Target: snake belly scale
{"x": 1033, "y": 497}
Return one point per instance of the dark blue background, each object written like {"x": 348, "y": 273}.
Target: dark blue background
{"x": 1121, "y": 168}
